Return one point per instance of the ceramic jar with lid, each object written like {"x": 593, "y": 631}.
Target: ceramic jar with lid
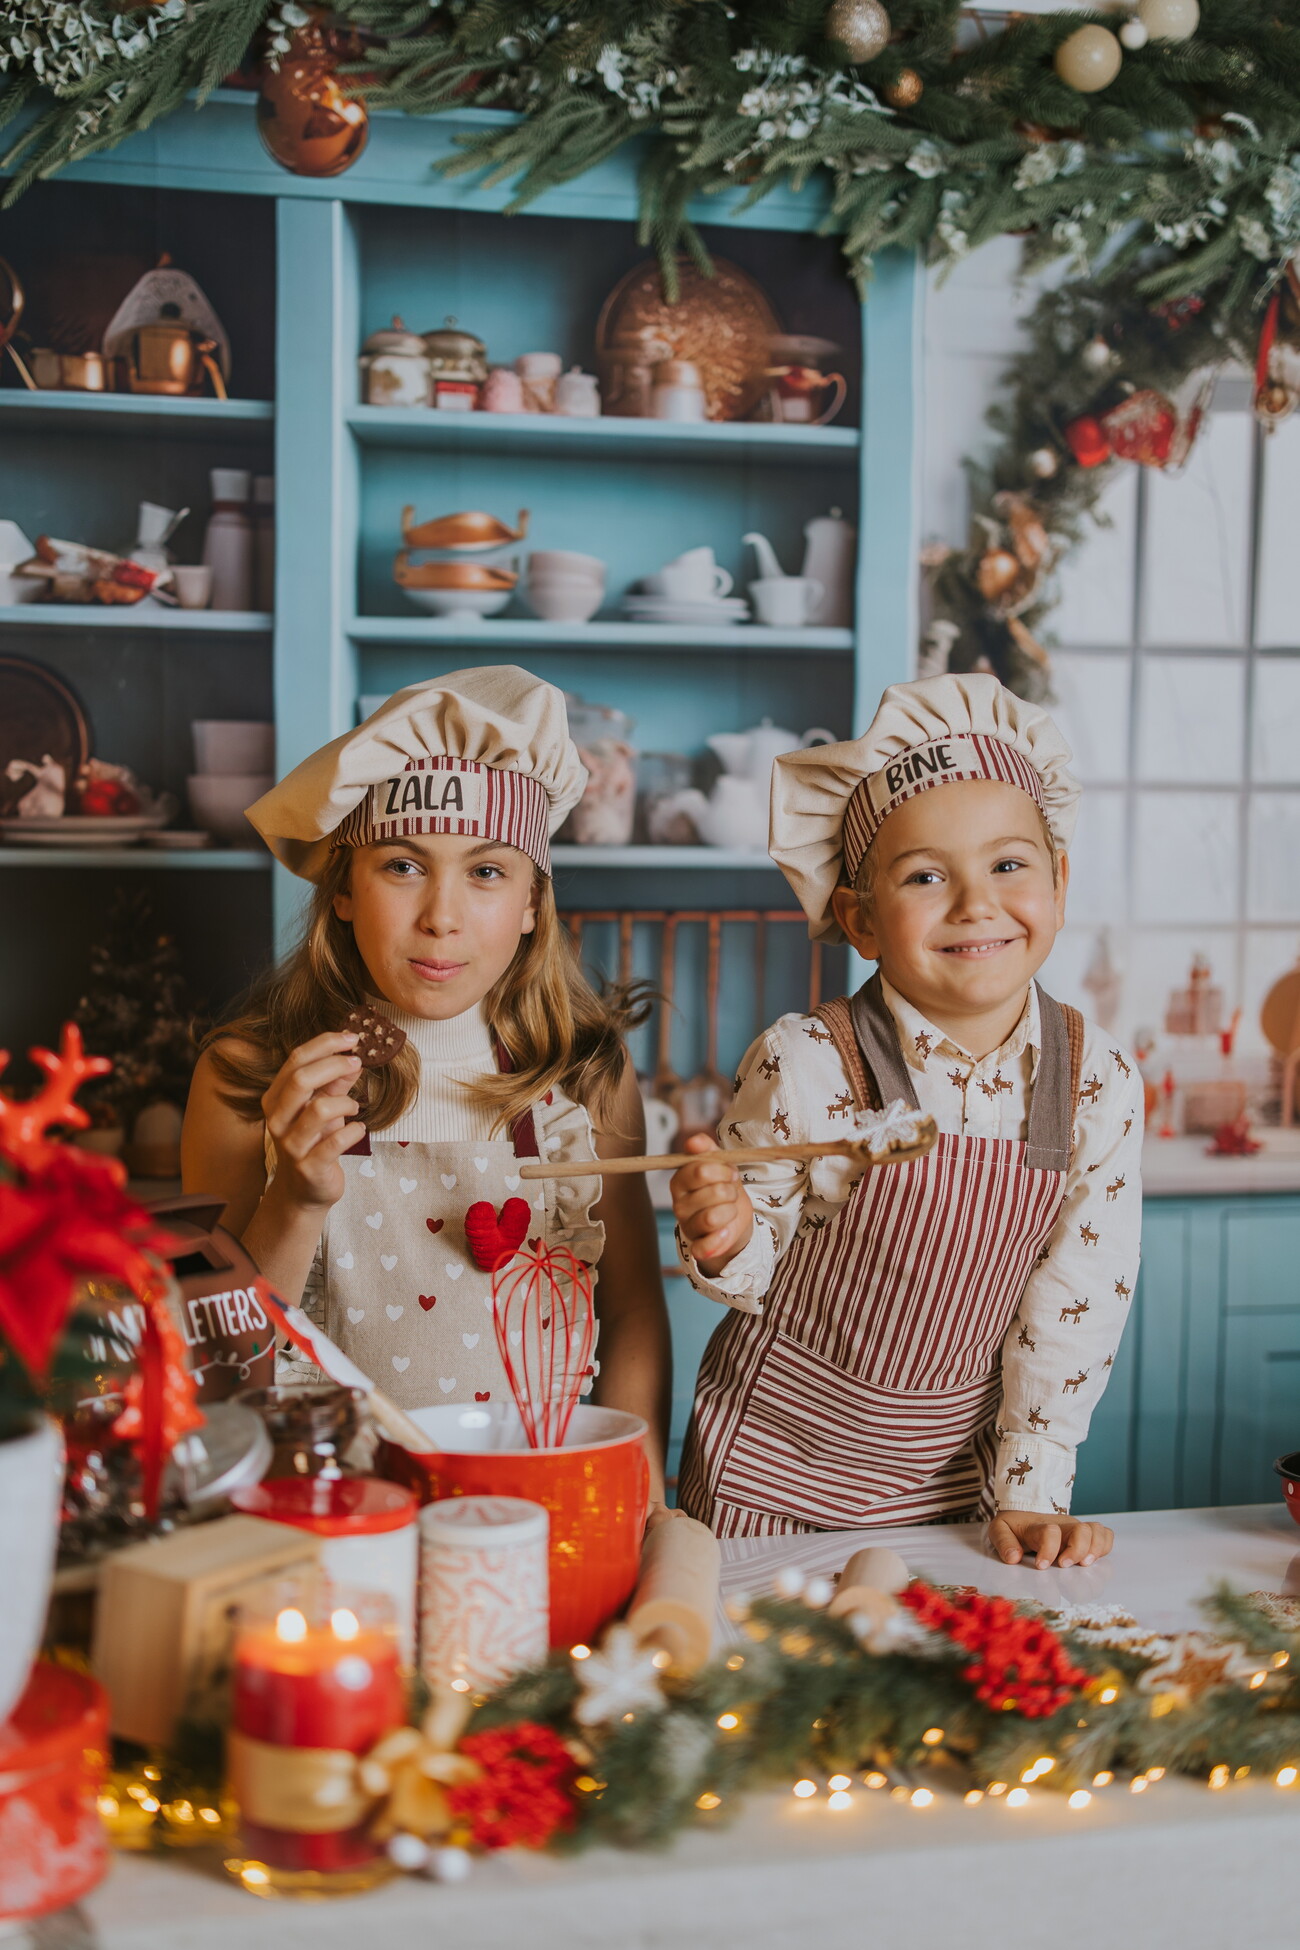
{"x": 577, "y": 395}
{"x": 604, "y": 815}
{"x": 457, "y": 368}
{"x": 394, "y": 368}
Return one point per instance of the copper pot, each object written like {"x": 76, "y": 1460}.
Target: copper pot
{"x": 70, "y": 372}
{"x": 168, "y": 357}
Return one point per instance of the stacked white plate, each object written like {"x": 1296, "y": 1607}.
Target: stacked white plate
{"x": 662, "y": 609}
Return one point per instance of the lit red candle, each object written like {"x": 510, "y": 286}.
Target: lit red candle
{"x": 317, "y": 1680}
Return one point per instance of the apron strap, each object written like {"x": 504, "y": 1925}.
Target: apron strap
{"x": 836, "y": 1017}
{"x": 1056, "y": 1087}
{"x": 878, "y": 1038}
{"x": 523, "y": 1132}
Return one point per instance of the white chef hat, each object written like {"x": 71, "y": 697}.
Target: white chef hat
{"x": 829, "y": 801}
{"x": 484, "y": 752}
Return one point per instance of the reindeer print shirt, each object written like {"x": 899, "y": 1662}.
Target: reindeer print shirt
{"x": 1058, "y": 1354}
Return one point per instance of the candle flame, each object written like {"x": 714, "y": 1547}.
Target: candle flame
{"x": 344, "y": 1624}
{"x": 291, "y": 1626}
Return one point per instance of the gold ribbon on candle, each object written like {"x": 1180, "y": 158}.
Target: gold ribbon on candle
{"x": 397, "y": 1786}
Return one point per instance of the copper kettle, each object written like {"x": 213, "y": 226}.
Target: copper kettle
{"x": 167, "y": 356}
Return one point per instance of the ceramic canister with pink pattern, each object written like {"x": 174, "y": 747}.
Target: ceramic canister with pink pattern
{"x": 484, "y": 1590}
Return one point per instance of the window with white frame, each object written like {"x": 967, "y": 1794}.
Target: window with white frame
{"x": 1177, "y": 680}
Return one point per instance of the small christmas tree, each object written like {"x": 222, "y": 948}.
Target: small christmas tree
{"x": 136, "y": 1011}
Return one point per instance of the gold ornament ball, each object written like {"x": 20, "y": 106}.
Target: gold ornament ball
{"x": 1169, "y": 20}
{"x": 861, "y": 27}
{"x": 1089, "y": 60}
{"x": 906, "y": 91}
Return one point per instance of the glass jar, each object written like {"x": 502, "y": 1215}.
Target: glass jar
{"x": 311, "y": 1428}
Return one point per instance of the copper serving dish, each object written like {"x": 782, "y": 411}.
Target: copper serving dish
{"x": 450, "y": 575}
{"x": 470, "y": 531}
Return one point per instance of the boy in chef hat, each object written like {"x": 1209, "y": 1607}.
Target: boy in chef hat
{"x": 384, "y": 1191}
{"x": 924, "y": 1341}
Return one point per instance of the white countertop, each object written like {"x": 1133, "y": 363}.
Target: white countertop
{"x": 1173, "y": 1167}
{"x": 1178, "y": 1868}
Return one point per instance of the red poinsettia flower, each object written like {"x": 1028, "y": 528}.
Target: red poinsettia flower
{"x": 525, "y": 1792}
{"x": 1019, "y": 1664}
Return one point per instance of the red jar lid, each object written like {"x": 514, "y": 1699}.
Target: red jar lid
{"x": 59, "y": 1715}
{"x": 345, "y": 1506}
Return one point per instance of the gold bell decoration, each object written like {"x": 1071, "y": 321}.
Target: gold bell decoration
{"x": 861, "y": 27}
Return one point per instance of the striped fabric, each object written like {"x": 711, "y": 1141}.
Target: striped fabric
{"x": 454, "y": 795}
{"x": 865, "y": 1393}
{"x": 946, "y": 761}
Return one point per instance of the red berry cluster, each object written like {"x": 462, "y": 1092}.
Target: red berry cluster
{"x": 1019, "y": 1664}
{"x": 525, "y": 1792}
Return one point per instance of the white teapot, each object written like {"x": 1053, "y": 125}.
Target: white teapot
{"x": 735, "y": 812}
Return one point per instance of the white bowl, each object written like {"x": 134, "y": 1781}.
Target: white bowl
{"x": 226, "y": 747}
{"x": 217, "y": 804}
{"x": 576, "y": 604}
{"x": 460, "y": 602}
{"x": 565, "y": 562}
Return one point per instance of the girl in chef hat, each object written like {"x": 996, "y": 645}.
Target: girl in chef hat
{"x": 384, "y": 1195}
{"x": 926, "y": 1341}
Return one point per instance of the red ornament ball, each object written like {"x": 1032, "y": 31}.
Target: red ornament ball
{"x": 1142, "y": 428}
{"x": 1087, "y": 441}
{"x": 525, "y": 1792}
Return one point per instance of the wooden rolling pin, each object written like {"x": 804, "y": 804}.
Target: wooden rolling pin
{"x": 859, "y": 1149}
{"x": 677, "y": 1592}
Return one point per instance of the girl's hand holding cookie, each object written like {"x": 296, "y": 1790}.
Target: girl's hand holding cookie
{"x": 711, "y": 1207}
{"x": 313, "y": 1119}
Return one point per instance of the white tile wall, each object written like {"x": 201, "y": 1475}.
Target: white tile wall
{"x": 1185, "y": 736}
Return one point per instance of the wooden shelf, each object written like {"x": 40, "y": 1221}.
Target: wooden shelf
{"x": 212, "y": 859}
{"x": 145, "y": 616}
{"x": 138, "y": 413}
{"x": 615, "y": 438}
{"x": 494, "y": 633}
{"x": 713, "y": 858}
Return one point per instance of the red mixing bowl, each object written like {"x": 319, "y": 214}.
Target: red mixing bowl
{"x": 596, "y": 1489}
{"x": 1288, "y": 1468}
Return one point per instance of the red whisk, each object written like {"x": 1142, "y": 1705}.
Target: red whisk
{"x": 545, "y": 1326}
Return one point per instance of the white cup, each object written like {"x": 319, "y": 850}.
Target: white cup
{"x": 692, "y": 578}
{"x": 785, "y": 602}
{"x": 193, "y": 586}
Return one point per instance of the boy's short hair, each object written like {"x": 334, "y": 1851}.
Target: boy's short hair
{"x": 865, "y": 879}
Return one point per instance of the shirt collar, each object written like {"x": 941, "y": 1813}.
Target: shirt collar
{"x": 919, "y": 1039}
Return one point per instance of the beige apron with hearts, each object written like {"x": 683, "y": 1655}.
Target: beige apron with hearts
{"x": 402, "y": 1293}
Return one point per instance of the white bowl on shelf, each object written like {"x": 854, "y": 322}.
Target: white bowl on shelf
{"x": 563, "y": 599}
{"x": 217, "y": 804}
{"x": 238, "y": 747}
{"x": 460, "y": 602}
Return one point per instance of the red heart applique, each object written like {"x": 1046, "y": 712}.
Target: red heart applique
{"x": 482, "y": 1394}
{"x": 492, "y": 1239}
{"x": 434, "y": 1225}
{"x": 428, "y": 1301}
{"x": 535, "y": 1245}
{"x": 404, "y": 1142}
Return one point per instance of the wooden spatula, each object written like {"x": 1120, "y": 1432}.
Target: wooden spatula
{"x": 859, "y": 1149}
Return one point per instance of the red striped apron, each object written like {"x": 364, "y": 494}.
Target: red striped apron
{"x": 867, "y": 1391}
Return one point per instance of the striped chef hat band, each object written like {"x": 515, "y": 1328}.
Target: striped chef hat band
{"x": 943, "y": 761}
{"x": 442, "y": 794}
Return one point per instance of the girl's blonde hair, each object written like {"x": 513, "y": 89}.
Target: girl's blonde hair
{"x": 557, "y": 1030}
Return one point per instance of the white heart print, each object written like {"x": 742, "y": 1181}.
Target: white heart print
{"x": 367, "y": 1168}
{"x": 445, "y": 1385}
{"x": 453, "y": 1269}
{"x": 516, "y": 1335}
{"x": 388, "y": 1261}
{"x": 487, "y": 1301}
{"x": 470, "y": 1340}
{"x": 539, "y": 1203}
{"x": 407, "y": 1184}
{"x": 512, "y": 1183}
{"x": 394, "y": 1313}
{"x": 448, "y": 1180}
{"x": 374, "y": 1220}
{"x": 346, "y": 1261}
{"x": 355, "y": 1314}
{"x": 480, "y": 1164}
{"x": 401, "y": 1362}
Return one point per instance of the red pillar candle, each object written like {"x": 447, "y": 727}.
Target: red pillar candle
{"x": 316, "y": 1680}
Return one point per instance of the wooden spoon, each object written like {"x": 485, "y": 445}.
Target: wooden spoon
{"x": 859, "y": 1149}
